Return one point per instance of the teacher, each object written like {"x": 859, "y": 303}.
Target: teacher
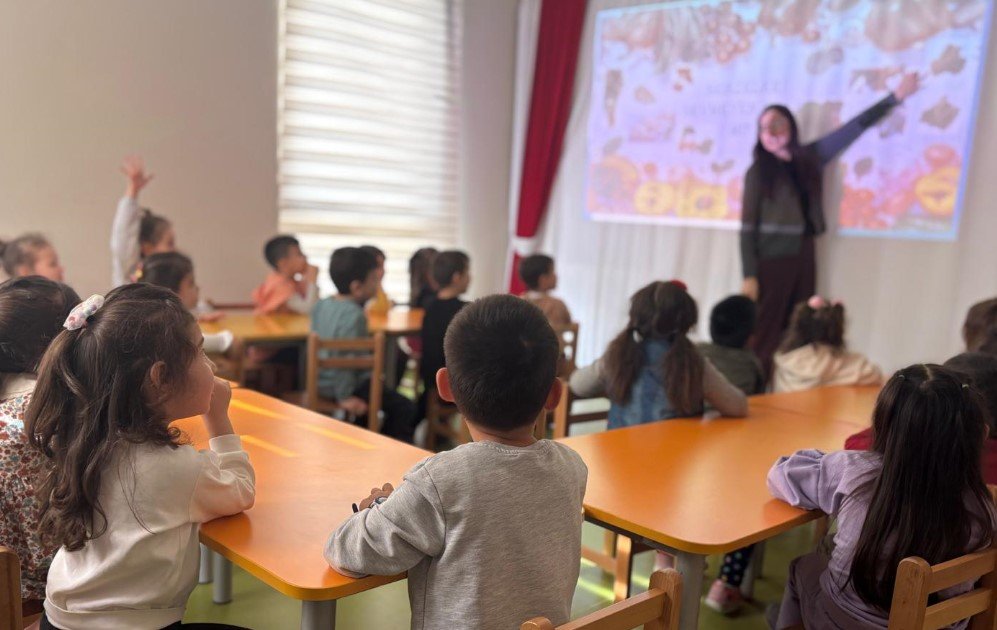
{"x": 782, "y": 212}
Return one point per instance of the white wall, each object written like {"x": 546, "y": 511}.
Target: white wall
{"x": 189, "y": 84}
{"x": 489, "y": 49}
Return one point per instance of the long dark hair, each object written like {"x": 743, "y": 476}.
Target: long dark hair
{"x": 929, "y": 499}
{"x": 980, "y": 328}
{"x": 92, "y": 396}
{"x": 32, "y": 310}
{"x": 771, "y": 168}
{"x": 661, "y": 310}
{"x": 824, "y": 324}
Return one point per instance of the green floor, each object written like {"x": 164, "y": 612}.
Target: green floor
{"x": 255, "y": 605}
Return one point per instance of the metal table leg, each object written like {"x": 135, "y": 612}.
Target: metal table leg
{"x": 318, "y": 615}
{"x": 221, "y": 591}
{"x": 204, "y": 573}
{"x": 691, "y": 566}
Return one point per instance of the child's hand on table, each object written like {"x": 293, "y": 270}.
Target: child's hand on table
{"x": 375, "y": 493}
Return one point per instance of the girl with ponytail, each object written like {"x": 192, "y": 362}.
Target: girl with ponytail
{"x": 651, "y": 371}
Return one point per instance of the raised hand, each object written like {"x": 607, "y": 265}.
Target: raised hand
{"x": 134, "y": 169}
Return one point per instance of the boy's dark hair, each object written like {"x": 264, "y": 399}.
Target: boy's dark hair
{"x": 21, "y": 251}
{"x": 374, "y": 251}
{"x": 348, "y": 264}
{"x": 278, "y": 248}
{"x": 32, "y": 311}
{"x": 501, "y": 356}
{"x": 152, "y": 227}
{"x": 980, "y": 328}
{"x": 446, "y": 264}
{"x": 167, "y": 269}
{"x": 980, "y": 370}
{"x": 534, "y": 266}
{"x": 92, "y": 397}
{"x": 807, "y": 325}
{"x": 732, "y": 321}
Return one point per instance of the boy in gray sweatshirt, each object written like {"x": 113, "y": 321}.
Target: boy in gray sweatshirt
{"x": 490, "y": 532}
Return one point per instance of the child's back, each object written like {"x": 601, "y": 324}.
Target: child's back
{"x": 489, "y": 532}
{"x": 493, "y": 533}
{"x": 334, "y": 318}
{"x": 732, "y": 322}
{"x": 813, "y": 352}
{"x": 450, "y": 270}
{"x": 740, "y": 366}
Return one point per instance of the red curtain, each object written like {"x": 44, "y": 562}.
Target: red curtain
{"x": 560, "y": 32}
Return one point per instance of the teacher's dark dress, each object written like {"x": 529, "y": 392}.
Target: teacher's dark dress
{"x": 778, "y": 231}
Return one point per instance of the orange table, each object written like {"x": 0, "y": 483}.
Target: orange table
{"x": 309, "y": 470}
{"x": 847, "y": 404}
{"x": 694, "y": 487}
{"x": 293, "y": 327}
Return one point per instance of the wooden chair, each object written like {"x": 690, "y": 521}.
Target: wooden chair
{"x": 567, "y": 337}
{"x": 657, "y": 609}
{"x": 10, "y": 592}
{"x": 917, "y": 580}
{"x": 364, "y": 353}
{"x": 563, "y": 417}
{"x": 438, "y": 421}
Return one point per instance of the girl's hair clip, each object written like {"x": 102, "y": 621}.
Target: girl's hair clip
{"x": 82, "y": 312}
{"x": 816, "y": 302}
{"x": 679, "y": 284}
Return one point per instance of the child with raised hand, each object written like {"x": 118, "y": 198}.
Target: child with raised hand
{"x": 32, "y": 310}
{"x": 918, "y": 492}
{"x": 651, "y": 371}
{"x": 456, "y": 522}
{"x": 30, "y": 255}
{"x": 538, "y": 274}
{"x": 290, "y": 287}
{"x": 813, "y": 352}
{"x": 136, "y": 232}
{"x": 175, "y": 271}
{"x": 124, "y": 494}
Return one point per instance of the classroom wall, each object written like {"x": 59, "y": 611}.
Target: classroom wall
{"x": 190, "y": 85}
{"x": 489, "y": 57}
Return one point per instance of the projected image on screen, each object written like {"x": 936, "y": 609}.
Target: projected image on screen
{"x": 678, "y": 87}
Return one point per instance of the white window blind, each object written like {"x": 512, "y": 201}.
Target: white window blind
{"x": 367, "y": 128}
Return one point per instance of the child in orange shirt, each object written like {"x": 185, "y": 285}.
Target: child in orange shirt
{"x": 290, "y": 287}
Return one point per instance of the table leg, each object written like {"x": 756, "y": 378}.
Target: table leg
{"x": 691, "y": 566}
{"x": 204, "y": 573}
{"x": 318, "y": 615}
{"x": 391, "y": 375}
{"x": 221, "y": 592}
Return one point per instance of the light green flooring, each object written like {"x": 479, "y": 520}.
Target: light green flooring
{"x": 257, "y": 606}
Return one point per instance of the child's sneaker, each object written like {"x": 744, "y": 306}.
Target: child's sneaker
{"x": 724, "y": 598}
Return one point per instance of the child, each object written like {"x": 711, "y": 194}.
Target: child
{"x": 980, "y": 329}
{"x": 124, "y": 497}
{"x": 731, "y": 324}
{"x": 30, "y": 255}
{"x": 380, "y": 304}
{"x": 136, "y": 232}
{"x": 918, "y": 492}
{"x": 354, "y": 272}
{"x": 651, "y": 371}
{"x": 980, "y": 371}
{"x": 175, "y": 272}
{"x": 290, "y": 287}
{"x": 32, "y": 310}
{"x": 422, "y": 287}
{"x": 452, "y": 273}
{"x": 456, "y": 523}
{"x": 813, "y": 352}
{"x": 537, "y": 273}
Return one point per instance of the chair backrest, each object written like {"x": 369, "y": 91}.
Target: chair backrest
{"x": 657, "y": 609}
{"x": 563, "y": 417}
{"x": 365, "y": 353}
{"x": 10, "y": 590}
{"x": 917, "y": 580}
{"x": 567, "y": 337}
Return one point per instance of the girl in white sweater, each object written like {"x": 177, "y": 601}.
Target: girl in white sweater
{"x": 125, "y": 494}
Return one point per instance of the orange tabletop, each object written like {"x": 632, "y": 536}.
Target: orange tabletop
{"x": 309, "y": 470}
{"x": 847, "y": 404}
{"x": 293, "y": 327}
{"x": 699, "y": 486}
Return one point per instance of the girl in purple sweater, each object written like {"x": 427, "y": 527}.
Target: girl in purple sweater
{"x": 918, "y": 492}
